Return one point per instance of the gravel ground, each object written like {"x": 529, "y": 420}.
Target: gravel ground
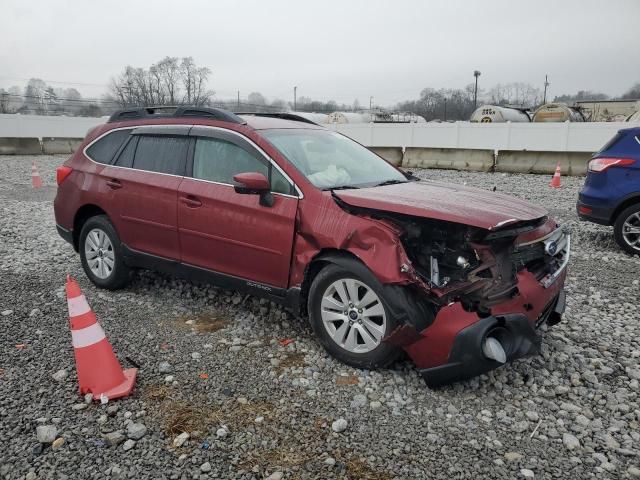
{"x": 213, "y": 364}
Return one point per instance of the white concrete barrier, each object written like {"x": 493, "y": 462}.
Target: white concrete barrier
{"x": 41, "y": 126}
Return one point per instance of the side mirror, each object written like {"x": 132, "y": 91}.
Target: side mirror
{"x": 254, "y": 183}
{"x": 251, "y": 183}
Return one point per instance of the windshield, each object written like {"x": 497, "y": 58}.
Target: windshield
{"x": 330, "y": 160}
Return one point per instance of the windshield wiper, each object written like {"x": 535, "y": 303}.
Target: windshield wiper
{"x": 341, "y": 187}
{"x": 389, "y": 182}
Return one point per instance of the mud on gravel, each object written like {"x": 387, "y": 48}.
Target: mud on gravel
{"x": 214, "y": 364}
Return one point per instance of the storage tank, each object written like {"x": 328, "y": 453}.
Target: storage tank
{"x": 497, "y": 114}
{"x": 313, "y": 116}
{"x": 348, "y": 117}
{"x": 557, "y": 112}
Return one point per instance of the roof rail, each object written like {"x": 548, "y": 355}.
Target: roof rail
{"x": 282, "y": 115}
{"x": 173, "y": 112}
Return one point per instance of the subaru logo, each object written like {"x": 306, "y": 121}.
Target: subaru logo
{"x": 551, "y": 247}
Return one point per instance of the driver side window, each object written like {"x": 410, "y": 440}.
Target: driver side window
{"x": 218, "y": 161}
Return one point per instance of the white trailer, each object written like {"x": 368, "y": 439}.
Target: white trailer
{"x": 497, "y": 114}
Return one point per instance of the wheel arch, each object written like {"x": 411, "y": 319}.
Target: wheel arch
{"x": 322, "y": 259}
{"x": 83, "y": 214}
{"x": 626, "y": 203}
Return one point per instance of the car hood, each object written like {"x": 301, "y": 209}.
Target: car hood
{"x": 445, "y": 201}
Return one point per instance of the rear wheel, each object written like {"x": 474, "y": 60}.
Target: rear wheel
{"x": 101, "y": 254}
{"x": 626, "y": 230}
{"x": 349, "y": 315}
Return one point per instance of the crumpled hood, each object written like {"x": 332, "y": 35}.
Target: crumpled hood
{"x": 445, "y": 201}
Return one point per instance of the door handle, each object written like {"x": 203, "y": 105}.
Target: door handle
{"x": 114, "y": 184}
{"x": 191, "y": 201}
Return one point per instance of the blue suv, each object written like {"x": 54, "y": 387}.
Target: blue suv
{"x": 611, "y": 192}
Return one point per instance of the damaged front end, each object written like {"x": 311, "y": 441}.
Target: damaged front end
{"x": 489, "y": 291}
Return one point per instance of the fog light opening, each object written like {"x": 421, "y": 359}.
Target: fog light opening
{"x": 492, "y": 349}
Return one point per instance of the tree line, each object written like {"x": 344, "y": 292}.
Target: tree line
{"x": 180, "y": 81}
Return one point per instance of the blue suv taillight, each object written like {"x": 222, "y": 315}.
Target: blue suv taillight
{"x": 602, "y": 163}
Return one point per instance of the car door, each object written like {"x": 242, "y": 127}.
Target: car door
{"x": 229, "y": 232}
{"x": 144, "y": 179}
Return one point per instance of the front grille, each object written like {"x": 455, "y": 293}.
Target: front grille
{"x": 546, "y": 257}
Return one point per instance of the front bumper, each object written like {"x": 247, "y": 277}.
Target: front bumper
{"x": 514, "y": 331}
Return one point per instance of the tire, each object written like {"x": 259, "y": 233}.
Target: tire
{"x": 99, "y": 236}
{"x": 627, "y": 219}
{"x": 355, "y": 353}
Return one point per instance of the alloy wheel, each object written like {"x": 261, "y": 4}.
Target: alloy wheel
{"x": 99, "y": 253}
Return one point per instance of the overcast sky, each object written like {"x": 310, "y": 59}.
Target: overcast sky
{"x": 330, "y": 49}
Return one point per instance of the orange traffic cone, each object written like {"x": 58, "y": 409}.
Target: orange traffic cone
{"x": 36, "y": 181}
{"x": 555, "y": 181}
{"x": 99, "y": 371}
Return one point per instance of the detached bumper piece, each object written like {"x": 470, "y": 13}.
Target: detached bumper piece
{"x": 491, "y": 342}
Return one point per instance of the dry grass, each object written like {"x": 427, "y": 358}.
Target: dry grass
{"x": 358, "y": 469}
{"x": 207, "y": 323}
{"x": 157, "y": 393}
{"x": 282, "y": 457}
{"x": 292, "y": 360}
{"x": 343, "y": 381}
{"x": 183, "y": 417}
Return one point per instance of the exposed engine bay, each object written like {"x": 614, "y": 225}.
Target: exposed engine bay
{"x": 474, "y": 266}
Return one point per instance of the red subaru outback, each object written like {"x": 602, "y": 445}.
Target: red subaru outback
{"x": 459, "y": 278}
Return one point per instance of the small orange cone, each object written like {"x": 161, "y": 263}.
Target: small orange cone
{"x": 555, "y": 181}
{"x": 99, "y": 371}
{"x": 36, "y": 181}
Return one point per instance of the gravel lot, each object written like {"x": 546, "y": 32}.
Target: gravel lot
{"x": 212, "y": 365}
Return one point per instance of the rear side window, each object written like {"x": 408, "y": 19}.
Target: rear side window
{"x": 161, "y": 154}
{"x": 125, "y": 159}
{"x": 104, "y": 149}
{"x": 218, "y": 161}
{"x": 616, "y": 138}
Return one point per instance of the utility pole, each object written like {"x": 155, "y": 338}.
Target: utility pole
{"x": 370, "y": 104}
{"x": 295, "y": 99}
{"x": 445, "y": 109}
{"x": 546, "y": 84}
{"x": 238, "y": 100}
{"x": 476, "y": 73}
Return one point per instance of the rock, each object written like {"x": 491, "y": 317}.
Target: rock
{"x": 164, "y": 367}
{"x": 275, "y": 476}
{"x": 6, "y": 313}
{"x": 375, "y": 405}
{"x": 136, "y": 431}
{"x": 259, "y": 420}
{"x": 30, "y": 476}
{"x": 205, "y": 467}
{"x": 114, "y": 438}
{"x": 88, "y": 398}
{"x": 60, "y": 375}
{"x": 169, "y": 379}
{"x": 180, "y": 439}
{"x": 359, "y": 401}
{"x": 57, "y": 443}
{"x": 34, "y": 312}
{"x": 79, "y": 406}
{"x": 46, "y": 433}
{"x": 222, "y": 432}
{"x": 112, "y": 410}
{"x": 196, "y": 356}
{"x": 128, "y": 445}
{"x": 330, "y": 461}
{"x": 513, "y": 456}
{"x": 274, "y": 362}
{"x": 532, "y": 416}
{"x": 526, "y": 473}
{"x": 634, "y": 472}
{"x": 339, "y": 425}
{"x": 570, "y": 441}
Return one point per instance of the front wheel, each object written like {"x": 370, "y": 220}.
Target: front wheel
{"x": 350, "y": 317}
{"x": 626, "y": 230}
{"x": 101, "y": 254}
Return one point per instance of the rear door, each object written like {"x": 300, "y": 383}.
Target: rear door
{"x": 228, "y": 232}
{"x": 144, "y": 180}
